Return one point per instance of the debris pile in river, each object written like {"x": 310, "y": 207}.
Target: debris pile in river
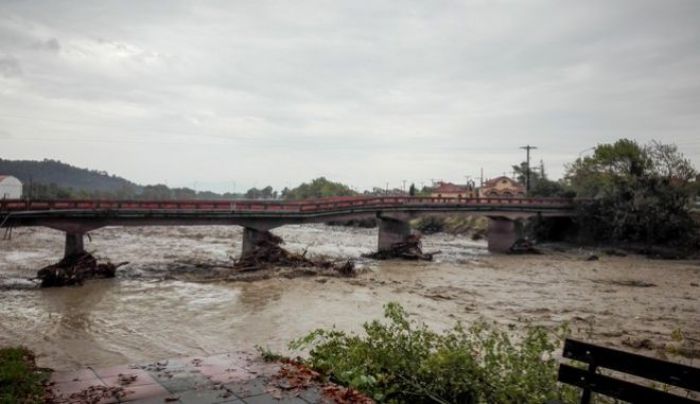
{"x": 411, "y": 248}
{"x": 523, "y": 246}
{"x": 267, "y": 252}
{"x": 74, "y": 269}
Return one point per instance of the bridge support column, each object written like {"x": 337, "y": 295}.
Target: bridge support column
{"x": 501, "y": 234}
{"x": 391, "y": 231}
{"x": 251, "y": 237}
{"x": 74, "y": 244}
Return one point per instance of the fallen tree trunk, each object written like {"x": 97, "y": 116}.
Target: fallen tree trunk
{"x": 75, "y": 269}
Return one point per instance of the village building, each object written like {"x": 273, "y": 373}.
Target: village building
{"x": 10, "y": 187}
{"x": 502, "y": 187}
{"x": 450, "y": 190}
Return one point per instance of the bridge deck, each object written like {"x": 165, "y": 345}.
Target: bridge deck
{"x": 84, "y": 215}
{"x": 77, "y": 217}
{"x": 310, "y": 206}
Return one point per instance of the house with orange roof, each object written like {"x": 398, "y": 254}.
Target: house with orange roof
{"x": 450, "y": 190}
{"x": 502, "y": 187}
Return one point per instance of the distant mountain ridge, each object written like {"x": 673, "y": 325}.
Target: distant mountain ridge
{"x": 53, "y": 179}
{"x": 65, "y": 176}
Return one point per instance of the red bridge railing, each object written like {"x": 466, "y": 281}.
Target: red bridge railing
{"x": 318, "y": 205}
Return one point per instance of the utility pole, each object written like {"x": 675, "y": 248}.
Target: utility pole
{"x": 541, "y": 169}
{"x": 403, "y": 188}
{"x": 527, "y": 172}
{"x": 481, "y": 182}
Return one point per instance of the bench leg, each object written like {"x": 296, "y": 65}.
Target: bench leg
{"x": 586, "y": 396}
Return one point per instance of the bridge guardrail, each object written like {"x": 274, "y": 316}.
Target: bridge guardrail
{"x": 318, "y": 205}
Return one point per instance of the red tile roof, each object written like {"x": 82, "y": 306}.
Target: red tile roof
{"x": 449, "y": 188}
{"x": 494, "y": 181}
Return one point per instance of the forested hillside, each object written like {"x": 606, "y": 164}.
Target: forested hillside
{"x": 52, "y": 179}
{"x": 66, "y": 176}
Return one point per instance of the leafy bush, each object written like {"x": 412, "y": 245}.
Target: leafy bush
{"x": 399, "y": 361}
{"x": 20, "y": 380}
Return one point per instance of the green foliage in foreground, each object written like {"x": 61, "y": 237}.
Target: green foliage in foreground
{"x": 399, "y": 361}
{"x": 20, "y": 380}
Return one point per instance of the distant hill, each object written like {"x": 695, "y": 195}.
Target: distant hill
{"x": 66, "y": 176}
{"x": 52, "y": 179}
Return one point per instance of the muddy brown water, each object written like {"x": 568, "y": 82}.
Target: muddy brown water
{"x": 158, "y": 307}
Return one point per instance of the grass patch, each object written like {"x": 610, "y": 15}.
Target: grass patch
{"x": 399, "y": 361}
{"x": 20, "y": 380}
{"x": 267, "y": 355}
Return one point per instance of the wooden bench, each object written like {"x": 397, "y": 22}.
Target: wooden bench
{"x": 642, "y": 367}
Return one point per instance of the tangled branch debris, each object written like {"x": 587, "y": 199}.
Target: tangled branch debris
{"x": 523, "y": 246}
{"x": 410, "y": 248}
{"x": 267, "y": 252}
{"x": 74, "y": 269}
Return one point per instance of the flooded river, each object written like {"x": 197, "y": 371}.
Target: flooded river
{"x": 157, "y": 307}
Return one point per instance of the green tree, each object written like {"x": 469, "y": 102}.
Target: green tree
{"x": 540, "y": 185}
{"x": 635, "y": 193}
{"x": 319, "y": 188}
{"x": 265, "y": 193}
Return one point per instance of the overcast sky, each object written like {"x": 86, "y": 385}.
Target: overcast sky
{"x": 209, "y": 94}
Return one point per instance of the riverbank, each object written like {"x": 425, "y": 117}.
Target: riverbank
{"x": 158, "y": 307}
{"x": 236, "y": 378}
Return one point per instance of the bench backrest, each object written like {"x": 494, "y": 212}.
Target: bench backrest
{"x": 652, "y": 369}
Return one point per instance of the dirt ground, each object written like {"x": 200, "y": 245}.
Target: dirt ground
{"x": 166, "y": 304}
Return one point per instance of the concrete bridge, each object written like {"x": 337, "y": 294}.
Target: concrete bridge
{"x": 77, "y": 217}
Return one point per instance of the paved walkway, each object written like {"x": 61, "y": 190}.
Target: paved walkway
{"x": 226, "y": 378}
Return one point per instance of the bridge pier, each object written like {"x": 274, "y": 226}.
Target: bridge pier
{"x": 501, "y": 234}
{"x": 391, "y": 231}
{"x": 74, "y": 244}
{"x": 251, "y": 237}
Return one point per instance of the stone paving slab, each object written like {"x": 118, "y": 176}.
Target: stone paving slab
{"x": 236, "y": 378}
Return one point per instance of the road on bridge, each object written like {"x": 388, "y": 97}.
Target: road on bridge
{"x": 77, "y": 217}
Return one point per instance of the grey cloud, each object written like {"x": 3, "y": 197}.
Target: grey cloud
{"x": 380, "y": 89}
{"x": 51, "y": 45}
{"x": 9, "y": 66}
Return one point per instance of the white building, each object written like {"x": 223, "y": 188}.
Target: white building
{"x": 10, "y": 187}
